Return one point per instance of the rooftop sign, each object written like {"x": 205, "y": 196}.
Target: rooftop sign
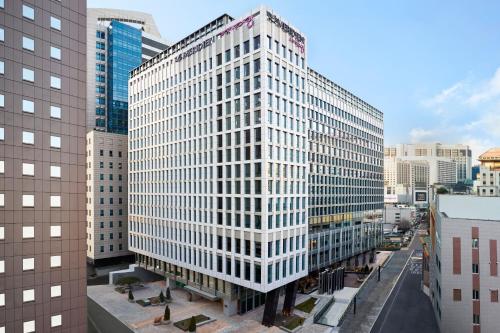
{"x": 295, "y": 38}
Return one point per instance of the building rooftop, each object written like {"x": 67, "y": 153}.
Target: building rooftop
{"x": 492, "y": 154}
{"x": 469, "y": 207}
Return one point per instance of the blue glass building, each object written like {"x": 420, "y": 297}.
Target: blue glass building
{"x": 124, "y": 54}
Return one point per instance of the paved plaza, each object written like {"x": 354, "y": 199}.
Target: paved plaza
{"x": 140, "y": 319}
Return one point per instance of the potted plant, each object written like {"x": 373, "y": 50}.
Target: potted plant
{"x": 166, "y": 315}
{"x": 161, "y": 297}
{"x": 130, "y": 296}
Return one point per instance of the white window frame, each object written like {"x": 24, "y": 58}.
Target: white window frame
{"x": 28, "y": 200}
{"x": 28, "y": 295}
{"x": 2, "y": 67}
{"x": 55, "y": 171}
{"x": 55, "y": 112}
{"x": 28, "y": 106}
{"x": 55, "y": 141}
{"x": 2, "y": 134}
{"x": 28, "y": 232}
{"x": 55, "y": 231}
{"x": 28, "y": 75}
{"x": 55, "y": 261}
{"x": 2, "y": 299}
{"x": 2, "y": 100}
{"x": 2, "y": 266}
{"x": 2, "y": 200}
{"x": 2, "y": 233}
{"x": 2, "y": 167}
{"x": 2, "y": 35}
{"x": 28, "y": 264}
{"x": 28, "y": 138}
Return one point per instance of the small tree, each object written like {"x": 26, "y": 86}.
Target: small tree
{"x": 169, "y": 296}
{"x": 192, "y": 325}
{"x": 161, "y": 297}
{"x": 442, "y": 190}
{"x": 130, "y": 295}
{"x": 166, "y": 315}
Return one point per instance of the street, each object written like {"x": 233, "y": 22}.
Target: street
{"x": 372, "y": 298}
{"x": 407, "y": 309}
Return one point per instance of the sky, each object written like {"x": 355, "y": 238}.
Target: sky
{"x": 432, "y": 67}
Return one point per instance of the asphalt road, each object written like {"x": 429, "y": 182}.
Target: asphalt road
{"x": 371, "y": 299}
{"x": 101, "y": 321}
{"x": 407, "y": 309}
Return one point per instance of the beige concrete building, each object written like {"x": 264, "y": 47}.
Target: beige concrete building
{"x": 106, "y": 196}
{"x": 488, "y": 182}
{"x": 464, "y": 281}
{"x": 460, "y": 154}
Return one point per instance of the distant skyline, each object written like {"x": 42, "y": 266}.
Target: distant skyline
{"x": 431, "y": 67}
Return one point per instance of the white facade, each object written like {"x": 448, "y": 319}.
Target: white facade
{"x": 218, "y": 154}
{"x": 106, "y": 195}
{"x": 459, "y": 153}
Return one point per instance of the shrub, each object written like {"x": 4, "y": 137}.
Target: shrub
{"x": 169, "y": 296}
{"x": 128, "y": 280}
{"x": 166, "y": 315}
{"x": 192, "y": 325}
{"x": 161, "y": 297}
{"x": 130, "y": 295}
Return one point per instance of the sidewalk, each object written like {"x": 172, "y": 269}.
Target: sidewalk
{"x": 371, "y": 299}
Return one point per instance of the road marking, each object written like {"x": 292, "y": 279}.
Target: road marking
{"x": 394, "y": 286}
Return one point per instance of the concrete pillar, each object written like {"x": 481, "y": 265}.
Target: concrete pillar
{"x": 230, "y": 306}
{"x": 290, "y": 296}
{"x": 270, "y": 307}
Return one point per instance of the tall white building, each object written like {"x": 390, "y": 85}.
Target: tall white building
{"x": 219, "y": 163}
{"x": 459, "y": 153}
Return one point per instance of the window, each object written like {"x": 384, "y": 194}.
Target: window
{"x": 256, "y": 42}
{"x": 2, "y": 134}
{"x": 55, "y": 82}
{"x": 55, "y": 141}
{"x": 475, "y": 319}
{"x": 2, "y": 168}
{"x": 55, "y": 112}
{"x": 2, "y": 101}
{"x": 55, "y": 261}
{"x": 55, "y": 321}
{"x": 28, "y": 44}
{"x": 55, "y": 52}
{"x": 475, "y": 294}
{"x": 2, "y": 299}
{"x": 55, "y": 23}
{"x": 28, "y": 169}
{"x": 28, "y": 295}
{"x": 2, "y": 67}
{"x": 28, "y": 12}
{"x": 55, "y": 201}
{"x": 2, "y": 200}
{"x": 28, "y": 106}
{"x": 28, "y": 264}
{"x": 475, "y": 243}
{"x": 2, "y": 266}
{"x": 28, "y": 232}
{"x": 494, "y": 296}
{"x": 55, "y": 291}
{"x": 29, "y": 326}
{"x": 28, "y": 75}
{"x": 475, "y": 268}
{"x": 28, "y": 200}
{"x": 55, "y": 231}
{"x": 2, "y": 233}
{"x": 246, "y": 47}
{"x": 28, "y": 138}
{"x": 55, "y": 171}
{"x": 2, "y": 35}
